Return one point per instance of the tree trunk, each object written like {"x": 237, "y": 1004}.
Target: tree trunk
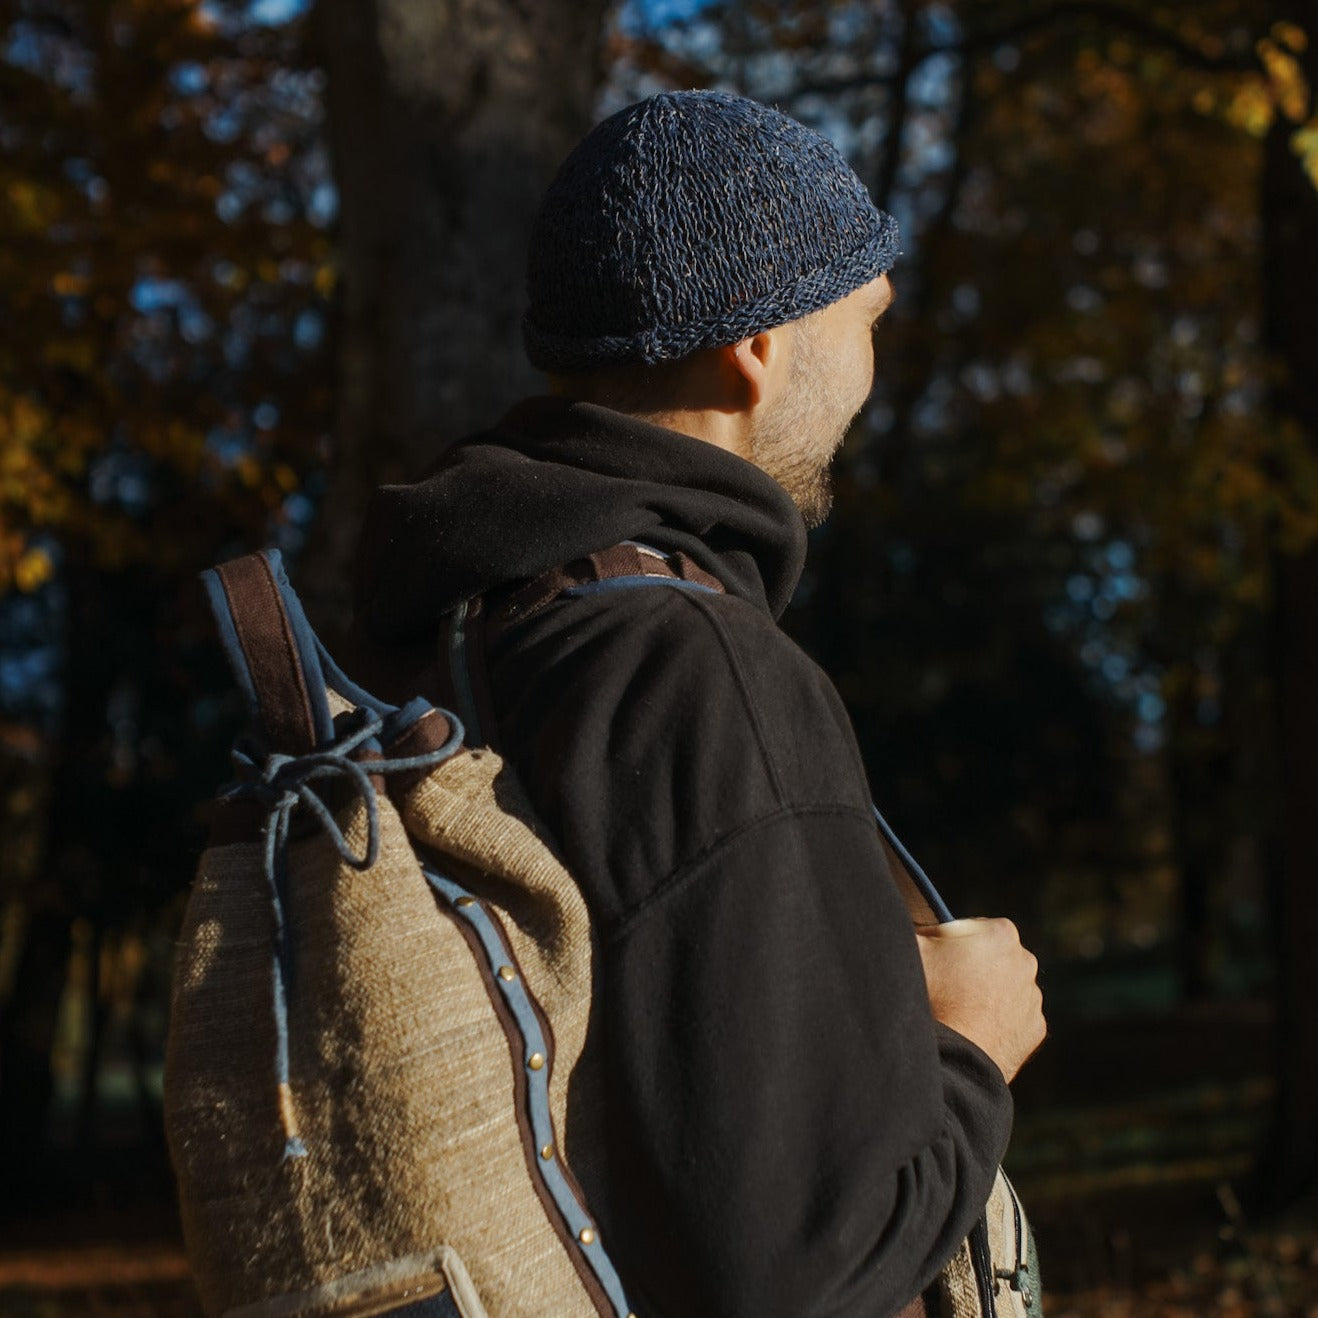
{"x": 447, "y": 118}
{"x": 1290, "y": 238}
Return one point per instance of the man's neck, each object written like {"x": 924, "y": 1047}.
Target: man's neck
{"x": 729, "y": 431}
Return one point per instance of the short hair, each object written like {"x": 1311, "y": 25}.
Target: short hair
{"x": 636, "y": 388}
{"x": 642, "y": 389}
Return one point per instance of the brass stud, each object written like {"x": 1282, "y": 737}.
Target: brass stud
{"x": 507, "y": 973}
{"x": 547, "y": 1152}
{"x": 536, "y": 1061}
{"x": 586, "y": 1236}
{"x": 466, "y": 901}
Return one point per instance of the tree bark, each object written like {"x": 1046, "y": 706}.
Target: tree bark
{"x": 1290, "y": 282}
{"x": 447, "y": 118}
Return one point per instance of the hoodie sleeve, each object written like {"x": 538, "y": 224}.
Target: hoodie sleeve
{"x": 792, "y": 1125}
{"x": 790, "y": 1134}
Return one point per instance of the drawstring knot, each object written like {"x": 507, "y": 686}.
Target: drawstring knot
{"x": 282, "y": 783}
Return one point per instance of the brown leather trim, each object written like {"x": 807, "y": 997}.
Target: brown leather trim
{"x": 602, "y": 565}
{"x": 516, "y": 1050}
{"x": 689, "y": 570}
{"x": 624, "y": 561}
{"x": 428, "y": 733}
{"x": 531, "y": 597}
{"x": 271, "y": 652}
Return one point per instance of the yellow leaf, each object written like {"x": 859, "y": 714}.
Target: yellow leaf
{"x": 68, "y": 284}
{"x": 34, "y": 207}
{"x": 1304, "y": 143}
{"x": 1292, "y": 36}
{"x": 33, "y": 569}
{"x": 1289, "y": 86}
{"x": 1251, "y": 108}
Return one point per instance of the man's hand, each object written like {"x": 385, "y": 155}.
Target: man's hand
{"x": 983, "y": 984}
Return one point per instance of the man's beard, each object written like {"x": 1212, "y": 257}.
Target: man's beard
{"x": 796, "y": 442}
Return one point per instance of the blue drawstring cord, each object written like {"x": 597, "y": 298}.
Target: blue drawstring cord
{"x": 284, "y": 782}
{"x": 921, "y": 880}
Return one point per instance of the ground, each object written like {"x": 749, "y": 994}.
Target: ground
{"x": 1133, "y": 1166}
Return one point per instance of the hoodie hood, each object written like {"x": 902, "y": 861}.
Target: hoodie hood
{"x": 555, "y": 480}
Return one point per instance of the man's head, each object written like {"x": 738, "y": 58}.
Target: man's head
{"x": 710, "y": 263}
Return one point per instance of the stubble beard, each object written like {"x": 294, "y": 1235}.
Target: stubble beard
{"x": 796, "y": 443}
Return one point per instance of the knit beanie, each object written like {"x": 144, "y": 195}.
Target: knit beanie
{"x": 689, "y": 220}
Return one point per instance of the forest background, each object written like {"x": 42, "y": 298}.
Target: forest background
{"x": 257, "y": 256}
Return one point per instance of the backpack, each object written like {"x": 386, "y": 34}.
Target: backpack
{"x": 382, "y": 987}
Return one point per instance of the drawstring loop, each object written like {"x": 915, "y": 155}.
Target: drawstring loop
{"x": 282, "y": 783}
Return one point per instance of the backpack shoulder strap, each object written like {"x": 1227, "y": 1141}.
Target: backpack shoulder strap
{"x": 620, "y": 566}
{"x": 635, "y": 564}
{"x": 461, "y": 669}
{"x": 271, "y": 649}
{"x": 632, "y": 564}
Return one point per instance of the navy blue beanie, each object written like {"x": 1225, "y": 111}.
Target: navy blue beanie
{"x": 690, "y": 220}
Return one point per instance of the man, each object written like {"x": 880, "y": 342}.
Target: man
{"x": 805, "y": 1101}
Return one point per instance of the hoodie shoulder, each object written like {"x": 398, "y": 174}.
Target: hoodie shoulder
{"x": 669, "y": 720}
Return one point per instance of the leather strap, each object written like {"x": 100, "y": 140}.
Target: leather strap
{"x": 624, "y": 560}
{"x": 270, "y": 650}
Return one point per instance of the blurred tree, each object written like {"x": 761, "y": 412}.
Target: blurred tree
{"x": 1068, "y": 525}
{"x": 1290, "y": 288}
{"x": 446, "y": 121}
{"x": 166, "y": 400}
{"x": 1068, "y": 588}
{"x": 164, "y": 268}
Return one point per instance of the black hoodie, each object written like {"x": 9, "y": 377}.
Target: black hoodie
{"x": 789, "y": 1133}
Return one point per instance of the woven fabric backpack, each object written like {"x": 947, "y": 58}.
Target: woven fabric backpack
{"x": 382, "y": 988}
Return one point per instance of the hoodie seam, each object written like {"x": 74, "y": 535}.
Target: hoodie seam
{"x": 743, "y": 687}
{"x": 689, "y": 870}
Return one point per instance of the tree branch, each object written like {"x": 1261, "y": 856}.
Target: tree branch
{"x": 1119, "y": 16}
{"x": 897, "y": 110}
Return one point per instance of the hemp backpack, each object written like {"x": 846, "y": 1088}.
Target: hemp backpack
{"x": 381, "y": 991}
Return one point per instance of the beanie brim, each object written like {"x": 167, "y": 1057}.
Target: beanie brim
{"x": 559, "y": 354}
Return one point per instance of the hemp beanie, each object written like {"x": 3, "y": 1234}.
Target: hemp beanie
{"x": 689, "y": 220}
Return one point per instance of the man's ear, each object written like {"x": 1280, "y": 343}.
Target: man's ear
{"x": 753, "y": 362}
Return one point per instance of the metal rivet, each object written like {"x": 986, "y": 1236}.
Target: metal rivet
{"x": 466, "y": 901}
{"x": 547, "y": 1152}
{"x": 507, "y": 973}
{"x": 535, "y": 1061}
{"x": 586, "y": 1236}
